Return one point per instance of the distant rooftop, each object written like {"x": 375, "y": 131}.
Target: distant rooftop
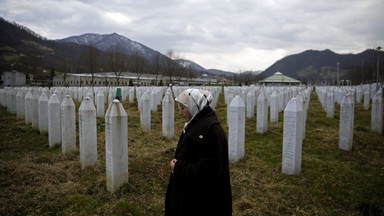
{"x": 279, "y": 78}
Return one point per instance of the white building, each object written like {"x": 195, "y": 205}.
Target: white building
{"x": 279, "y": 79}
{"x": 109, "y": 79}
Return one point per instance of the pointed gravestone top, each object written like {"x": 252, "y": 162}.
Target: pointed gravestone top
{"x": 237, "y": 102}
{"x": 293, "y": 106}
{"x": 53, "y": 99}
{"x": 116, "y": 109}
{"x": 43, "y": 97}
{"x": 36, "y": 96}
{"x": 28, "y": 95}
{"x": 346, "y": 99}
{"x": 67, "y": 101}
{"x": 87, "y": 104}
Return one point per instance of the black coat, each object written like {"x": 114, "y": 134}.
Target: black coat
{"x": 200, "y": 184}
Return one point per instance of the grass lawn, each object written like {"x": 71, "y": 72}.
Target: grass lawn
{"x": 38, "y": 180}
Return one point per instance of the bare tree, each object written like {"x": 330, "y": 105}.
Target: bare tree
{"x": 29, "y": 62}
{"x": 170, "y": 64}
{"x": 116, "y": 60}
{"x": 90, "y": 57}
{"x": 51, "y": 75}
{"x": 179, "y": 67}
{"x": 190, "y": 72}
{"x": 64, "y": 65}
{"x": 182, "y": 70}
{"x": 137, "y": 63}
{"x": 156, "y": 64}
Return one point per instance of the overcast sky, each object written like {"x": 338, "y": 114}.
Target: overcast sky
{"x": 222, "y": 34}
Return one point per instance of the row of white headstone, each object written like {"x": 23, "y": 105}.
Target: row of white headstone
{"x": 60, "y": 118}
{"x": 57, "y": 116}
{"x": 27, "y": 103}
{"x": 352, "y": 95}
{"x": 294, "y": 122}
{"x": 295, "y": 114}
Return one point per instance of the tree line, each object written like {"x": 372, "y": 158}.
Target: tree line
{"x": 93, "y": 61}
{"x": 45, "y": 64}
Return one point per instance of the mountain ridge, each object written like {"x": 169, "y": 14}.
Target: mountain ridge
{"x": 107, "y": 41}
{"x": 194, "y": 65}
{"x": 315, "y": 65}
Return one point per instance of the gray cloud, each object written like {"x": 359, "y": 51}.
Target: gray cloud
{"x": 228, "y": 35}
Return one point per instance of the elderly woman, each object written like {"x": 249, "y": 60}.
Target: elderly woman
{"x": 199, "y": 182}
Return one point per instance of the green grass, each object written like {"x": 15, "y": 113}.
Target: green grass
{"x": 38, "y": 180}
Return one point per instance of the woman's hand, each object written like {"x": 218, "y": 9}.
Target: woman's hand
{"x": 173, "y": 162}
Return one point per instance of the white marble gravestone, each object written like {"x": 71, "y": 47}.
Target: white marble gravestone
{"x": 87, "y": 133}
{"x": 230, "y": 96}
{"x": 111, "y": 96}
{"x": 28, "y": 108}
{"x": 35, "y": 110}
{"x": 301, "y": 99}
{"x": 377, "y": 113}
{"x": 12, "y": 99}
{"x": 359, "y": 95}
{"x": 330, "y": 105}
{"x": 8, "y": 99}
{"x": 281, "y": 100}
{"x": 79, "y": 94}
{"x": 373, "y": 90}
{"x": 116, "y": 146}
{"x": 131, "y": 94}
{"x": 100, "y": 104}
{"x": 21, "y": 104}
{"x": 139, "y": 93}
{"x": 251, "y": 104}
{"x": 366, "y": 100}
{"x": 153, "y": 99}
{"x": 236, "y": 129}
{"x": 145, "y": 112}
{"x": 54, "y": 123}
{"x": 43, "y": 113}
{"x": 19, "y": 97}
{"x": 346, "y": 123}
{"x": 292, "y": 137}
{"x": 274, "y": 115}
{"x": 168, "y": 115}
{"x": 59, "y": 95}
{"x": 90, "y": 95}
{"x": 68, "y": 125}
{"x": 262, "y": 114}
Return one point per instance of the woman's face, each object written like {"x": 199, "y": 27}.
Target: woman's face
{"x": 183, "y": 110}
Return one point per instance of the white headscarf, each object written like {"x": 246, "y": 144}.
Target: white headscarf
{"x": 195, "y": 100}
